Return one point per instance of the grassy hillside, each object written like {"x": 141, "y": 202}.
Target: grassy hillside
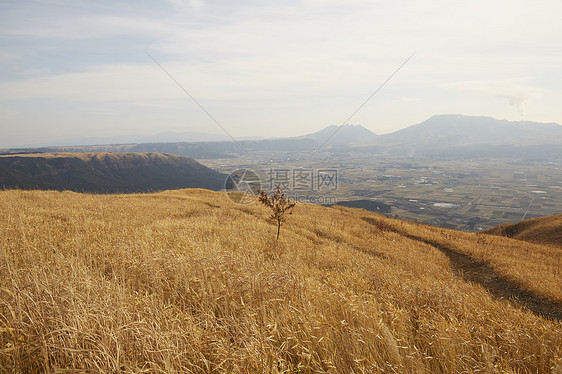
{"x": 541, "y": 230}
{"x": 373, "y": 206}
{"x": 104, "y": 172}
{"x": 187, "y": 281}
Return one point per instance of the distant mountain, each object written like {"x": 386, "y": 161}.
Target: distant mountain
{"x": 455, "y": 130}
{"x": 439, "y": 136}
{"x": 106, "y": 172}
{"x": 346, "y": 135}
{"x": 200, "y": 150}
{"x": 541, "y": 230}
{"x": 168, "y": 136}
{"x": 226, "y": 149}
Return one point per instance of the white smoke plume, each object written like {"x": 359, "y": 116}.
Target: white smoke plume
{"x": 515, "y": 91}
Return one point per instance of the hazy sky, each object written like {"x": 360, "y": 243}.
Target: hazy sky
{"x": 72, "y": 69}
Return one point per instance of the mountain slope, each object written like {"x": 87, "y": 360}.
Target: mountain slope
{"x": 188, "y": 281}
{"x": 105, "y": 172}
{"x": 540, "y": 230}
{"x": 457, "y": 130}
{"x": 346, "y": 135}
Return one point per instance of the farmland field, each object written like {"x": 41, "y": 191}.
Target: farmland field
{"x": 462, "y": 194}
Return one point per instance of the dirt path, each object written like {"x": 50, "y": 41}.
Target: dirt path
{"x": 472, "y": 270}
{"x": 479, "y": 272}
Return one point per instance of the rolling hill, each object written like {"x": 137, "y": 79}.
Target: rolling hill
{"x": 105, "y": 172}
{"x": 541, "y": 230}
{"x": 188, "y": 281}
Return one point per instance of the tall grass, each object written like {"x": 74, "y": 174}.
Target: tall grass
{"x": 536, "y": 268}
{"x": 187, "y": 281}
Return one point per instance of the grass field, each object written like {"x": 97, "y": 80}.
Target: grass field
{"x": 541, "y": 230}
{"x": 189, "y": 282}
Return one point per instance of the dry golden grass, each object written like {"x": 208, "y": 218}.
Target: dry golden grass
{"x": 535, "y": 268}
{"x": 540, "y": 230}
{"x": 187, "y": 281}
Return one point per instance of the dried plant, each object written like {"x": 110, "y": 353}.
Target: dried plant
{"x": 141, "y": 283}
{"x": 279, "y": 204}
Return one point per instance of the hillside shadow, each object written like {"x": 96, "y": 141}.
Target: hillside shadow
{"x": 478, "y": 272}
{"x": 474, "y": 271}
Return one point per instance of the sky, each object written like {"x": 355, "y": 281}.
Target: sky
{"x": 78, "y": 69}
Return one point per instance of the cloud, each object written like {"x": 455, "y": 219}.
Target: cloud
{"x": 517, "y": 93}
{"x": 5, "y": 112}
{"x": 186, "y": 4}
{"x": 261, "y": 78}
{"x": 104, "y": 83}
{"x": 281, "y": 63}
{"x": 10, "y": 62}
{"x": 81, "y": 27}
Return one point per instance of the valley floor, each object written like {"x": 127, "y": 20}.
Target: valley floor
{"x": 464, "y": 194}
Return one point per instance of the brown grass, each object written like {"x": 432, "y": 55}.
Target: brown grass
{"x": 535, "y": 268}
{"x": 540, "y": 230}
{"x": 187, "y": 281}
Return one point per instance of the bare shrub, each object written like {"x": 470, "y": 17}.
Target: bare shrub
{"x": 279, "y": 204}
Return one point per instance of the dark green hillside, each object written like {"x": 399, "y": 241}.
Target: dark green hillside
{"x": 106, "y": 172}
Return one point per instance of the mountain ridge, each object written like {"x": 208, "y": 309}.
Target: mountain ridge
{"x": 105, "y": 172}
{"x": 345, "y": 135}
{"x": 459, "y": 130}
{"x": 440, "y": 135}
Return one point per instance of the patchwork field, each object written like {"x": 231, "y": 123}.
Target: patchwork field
{"x": 462, "y": 194}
